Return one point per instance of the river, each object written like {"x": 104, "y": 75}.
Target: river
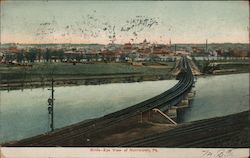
{"x": 222, "y": 58}
{"x": 24, "y": 113}
{"x": 219, "y": 96}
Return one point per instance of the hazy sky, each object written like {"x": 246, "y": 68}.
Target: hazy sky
{"x": 124, "y": 21}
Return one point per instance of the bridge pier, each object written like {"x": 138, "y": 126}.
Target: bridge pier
{"x": 185, "y": 102}
{"x": 172, "y": 113}
{"x": 191, "y": 95}
{"x": 187, "y": 99}
{"x": 159, "y": 117}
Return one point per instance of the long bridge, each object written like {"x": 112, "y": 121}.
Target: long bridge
{"x": 162, "y": 107}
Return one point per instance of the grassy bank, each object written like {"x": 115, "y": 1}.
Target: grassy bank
{"x": 223, "y": 66}
{"x": 113, "y": 72}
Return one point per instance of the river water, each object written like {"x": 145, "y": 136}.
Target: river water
{"x": 24, "y": 113}
{"x": 222, "y": 58}
{"x": 219, "y": 96}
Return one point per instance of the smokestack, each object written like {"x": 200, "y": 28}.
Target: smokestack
{"x": 170, "y": 44}
{"x": 206, "y": 45}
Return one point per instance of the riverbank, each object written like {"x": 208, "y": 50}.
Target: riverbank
{"x": 218, "y": 67}
{"x": 90, "y": 80}
{"x": 65, "y": 74}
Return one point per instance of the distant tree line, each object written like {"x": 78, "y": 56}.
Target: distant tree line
{"x": 37, "y": 55}
{"x": 34, "y": 55}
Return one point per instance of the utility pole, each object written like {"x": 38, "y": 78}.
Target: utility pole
{"x": 51, "y": 106}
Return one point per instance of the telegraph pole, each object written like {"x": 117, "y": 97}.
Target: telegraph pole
{"x": 52, "y": 114}
{"x": 51, "y": 106}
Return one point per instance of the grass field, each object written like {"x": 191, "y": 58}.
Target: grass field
{"x": 43, "y": 70}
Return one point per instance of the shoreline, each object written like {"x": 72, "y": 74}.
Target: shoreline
{"x": 95, "y": 80}
{"x": 226, "y": 73}
{"x": 84, "y": 80}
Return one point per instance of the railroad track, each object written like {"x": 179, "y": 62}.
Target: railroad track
{"x": 204, "y": 133}
{"x": 164, "y": 100}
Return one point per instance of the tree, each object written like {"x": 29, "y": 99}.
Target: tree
{"x": 39, "y": 55}
{"x": 20, "y": 57}
{"x": 61, "y": 55}
{"x": 97, "y": 56}
{"x": 27, "y": 56}
{"x": 47, "y": 55}
{"x": 153, "y": 58}
{"x": 78, "y": 57}
{"x": 123, "y": 57}
{"x": 9, "y": 57}
{"x": 33, "y": 54}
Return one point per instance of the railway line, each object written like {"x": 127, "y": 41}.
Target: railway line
{"x": 164, "y": 101}
{"x": 224, "y": 131}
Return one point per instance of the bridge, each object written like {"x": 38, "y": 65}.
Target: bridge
{"x": 161, "y": 108}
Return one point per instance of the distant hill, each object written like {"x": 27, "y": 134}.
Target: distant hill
{"x": 244, "y": 46}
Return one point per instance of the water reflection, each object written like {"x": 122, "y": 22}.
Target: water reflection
{"x": 219, "y": 96}
{"x": 24, "y": 113}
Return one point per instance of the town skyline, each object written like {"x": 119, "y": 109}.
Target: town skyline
{"x": 125, "y": 43}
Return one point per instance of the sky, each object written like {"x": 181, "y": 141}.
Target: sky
{"x": 124, "y": 21}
